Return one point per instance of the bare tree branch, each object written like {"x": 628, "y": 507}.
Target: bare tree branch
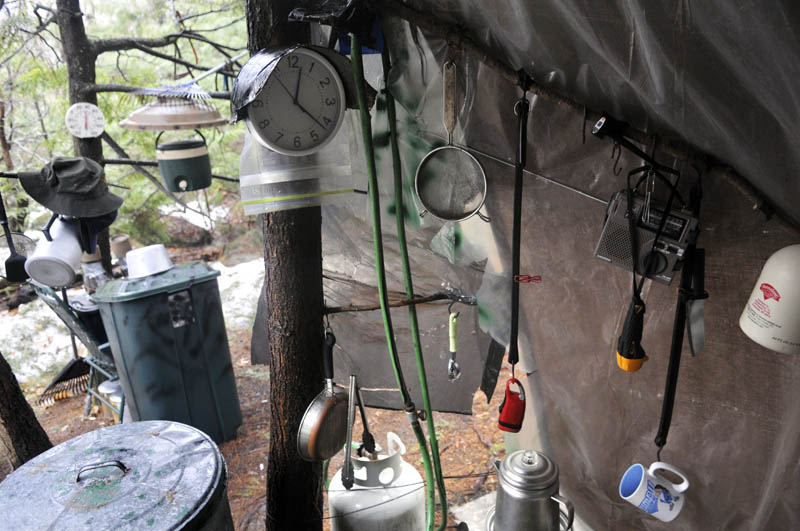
{"x": 217, "y": 28}
{"x": 111, "y": 87}
{"x": 166, "y": 57}
{"x": 115, "y": 45}
{"x": 203, "y": 38}
{"x": 33, "y": 35}
{"x": 220, "y": 10}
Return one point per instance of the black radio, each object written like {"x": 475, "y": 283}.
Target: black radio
{"x": 614, "y": 246}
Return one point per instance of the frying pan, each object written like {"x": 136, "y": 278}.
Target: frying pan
{"x": 323, "y": 428}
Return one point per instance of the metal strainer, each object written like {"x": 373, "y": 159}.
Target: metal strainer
{"x": 450, "y": 182}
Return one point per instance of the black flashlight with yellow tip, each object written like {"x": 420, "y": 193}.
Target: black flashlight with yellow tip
{"x": 630, "y": 354}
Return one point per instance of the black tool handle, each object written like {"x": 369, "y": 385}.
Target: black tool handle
{"x": 676, "y": 348}
{"x": 629, "y": 344}
{"x": 521, "y": 110}
{"x": 367, "y": 440}
{"x": 6, "y": 229}
{"x": 327, "y": 354}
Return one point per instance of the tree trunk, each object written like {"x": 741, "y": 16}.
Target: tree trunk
{"x": 293, "y": 259}
{"x": 81, "y": 56}
{"x": 23, "y": 437}
{"x": 4, "y": 147}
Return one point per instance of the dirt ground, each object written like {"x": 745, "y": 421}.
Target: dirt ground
{"x": 467, "y": 444}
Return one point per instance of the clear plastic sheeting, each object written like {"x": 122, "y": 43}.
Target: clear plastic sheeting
{"x": 270, "y": 181}
{"x": 678, "y": 66}
{"x": 723, "y": 77}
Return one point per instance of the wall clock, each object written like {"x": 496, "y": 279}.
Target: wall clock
{"x": 300, "y": 107}
{"x": 85, "y": 120}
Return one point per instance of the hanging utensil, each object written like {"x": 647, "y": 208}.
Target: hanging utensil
{"x": 322, "y": 429}
{"x": 15, "y": 263}
{"x": 453, "y": 369}
{"x": 450, "y": 182}
{"x": 347, "y": 472}
{"x": 512, "y": 410}
{"x": 367, "y": 440}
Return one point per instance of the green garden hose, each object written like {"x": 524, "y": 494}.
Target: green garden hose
{"x": 377, "y": 240}
{"x": 412, "y": 309}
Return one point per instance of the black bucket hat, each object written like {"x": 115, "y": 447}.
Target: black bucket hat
{"x": 71, "y": 186}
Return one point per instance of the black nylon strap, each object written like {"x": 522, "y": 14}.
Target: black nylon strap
{"x": 521, "y": 110}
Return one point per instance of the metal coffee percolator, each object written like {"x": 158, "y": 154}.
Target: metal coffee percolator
{"x": 527, "y": 496}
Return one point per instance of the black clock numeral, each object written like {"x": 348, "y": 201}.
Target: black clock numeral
{"x": 293, "y": 61}
{"x": 311, "y": 67}
{"x": 280, "y": 135}
{"x": 297, "y": 142}
{"x": 330, "y": 101}
{"x": 263, "y": 124}
{"x": 327, "y": 120}
{"x": 326, "y": 81}
{"x": 257, "y": 103}
{"x": 314, "y": 136}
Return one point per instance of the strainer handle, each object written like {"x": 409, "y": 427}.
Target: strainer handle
{"x": 449, "y": 98}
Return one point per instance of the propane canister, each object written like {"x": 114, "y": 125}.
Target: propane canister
{"x": 388, "y": 494}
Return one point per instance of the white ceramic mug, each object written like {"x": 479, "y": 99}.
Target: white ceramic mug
{"x": 653, "y": 494}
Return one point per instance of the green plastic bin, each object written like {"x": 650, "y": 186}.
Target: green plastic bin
{"x": 170, "y": 347}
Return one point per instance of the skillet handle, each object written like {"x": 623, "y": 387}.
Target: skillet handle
{"x": 327, "y": 355}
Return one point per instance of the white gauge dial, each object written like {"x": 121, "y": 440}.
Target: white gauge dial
{"x": 301, "y": 106}
{"x": 85, "y": 120}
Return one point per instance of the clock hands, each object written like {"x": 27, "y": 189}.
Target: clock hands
{"x": 296, "y": 102}
{"x": 297, "y": 88}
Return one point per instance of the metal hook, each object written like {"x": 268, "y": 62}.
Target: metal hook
{"x": 658, "y": 453}
{"x": 616, "y": 150}
{"x": 450, "y": 308}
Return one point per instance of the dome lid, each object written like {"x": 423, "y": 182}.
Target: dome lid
{"x": 529, "y": 470}
{"x": 166, "y": 114}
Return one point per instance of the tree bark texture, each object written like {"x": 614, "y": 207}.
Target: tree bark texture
{"x": 293, "y": 260}
{"x": 26, "y": 436}
{"x": 80, "y": 56}
{"x": 6, "y": 149}
{"x": 293, "y": 256}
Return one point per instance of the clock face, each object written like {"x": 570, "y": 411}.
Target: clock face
{"x": 85, "y": 120}
{"x": 301, "y": 106}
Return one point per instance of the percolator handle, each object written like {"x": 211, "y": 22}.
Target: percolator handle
{"x": 561, "y": 500}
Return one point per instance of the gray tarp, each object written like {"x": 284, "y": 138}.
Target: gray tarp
{"x": 722, "y": 76}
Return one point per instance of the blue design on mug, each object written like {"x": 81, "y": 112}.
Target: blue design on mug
{"x": 649, "y": 503}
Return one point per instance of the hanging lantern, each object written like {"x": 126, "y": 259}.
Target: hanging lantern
{"x": 169, "y": 113}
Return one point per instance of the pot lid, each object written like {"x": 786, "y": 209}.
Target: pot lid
{"x": 529, "y": 470}
{"x": 165, "y": 114}
{"x": 154, "y": 475}
{"x": 177, "y": 145}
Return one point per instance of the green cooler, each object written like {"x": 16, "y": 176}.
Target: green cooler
{"x": 171, "y": 350}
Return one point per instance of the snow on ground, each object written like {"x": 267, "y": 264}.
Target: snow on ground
{"x": 239, "y": 288}
{"x": 193, "y": 216}
{"x": 37, "y": 344}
